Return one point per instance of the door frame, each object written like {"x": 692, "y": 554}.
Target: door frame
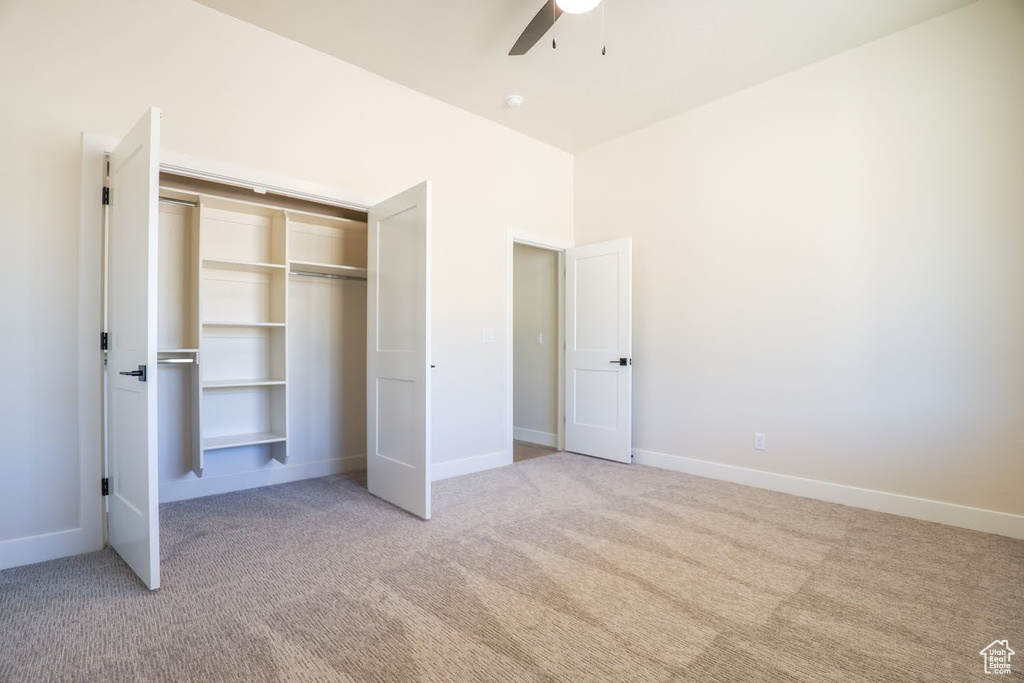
{"x": 92, "y": 534}
{"x": 513, "y": 237}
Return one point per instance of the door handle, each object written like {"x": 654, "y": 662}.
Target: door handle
{"x": 622, "y": 361}
{"x": 140, "y": 373}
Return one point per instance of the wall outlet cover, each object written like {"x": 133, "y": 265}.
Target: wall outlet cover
{"x": 760, "y": 442}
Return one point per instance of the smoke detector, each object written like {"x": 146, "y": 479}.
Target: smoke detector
{"x": 514, "y": 101}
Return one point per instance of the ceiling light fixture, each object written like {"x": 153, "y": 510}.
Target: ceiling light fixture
{"x": 577, "y": 6}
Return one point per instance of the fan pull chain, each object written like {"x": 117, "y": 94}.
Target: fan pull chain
{"x": 554, "y": 22}
{"x": 604, "y": 40}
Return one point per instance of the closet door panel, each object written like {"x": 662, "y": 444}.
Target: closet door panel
{"x": 132, "y": 374}
{"x": 398, "y": 351}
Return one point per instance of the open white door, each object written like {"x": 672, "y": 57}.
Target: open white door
{"x": 133, "y": 517}
{"x": 599, "y": 350}
{"x": 398, "y": 351}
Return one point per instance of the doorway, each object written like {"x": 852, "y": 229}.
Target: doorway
{"x": 594, "y": 347}
{"x": 536, "y": 351}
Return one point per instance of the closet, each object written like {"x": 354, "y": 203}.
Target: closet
{"x": 255, "y": 333}
{"x": 261, "y": 332}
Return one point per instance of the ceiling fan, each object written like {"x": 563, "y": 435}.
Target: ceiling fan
{"x": 546, "y": 18}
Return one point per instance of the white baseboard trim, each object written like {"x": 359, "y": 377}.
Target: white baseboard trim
{"x": 533, "y": 436}
{"x": 32, "y": 549}
{"x": 978, "y": 519}
{"x": 197, "y": 487}
{"x": 476, "y": 463}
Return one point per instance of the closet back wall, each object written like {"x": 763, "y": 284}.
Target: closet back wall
{"x": 238, "y": 94}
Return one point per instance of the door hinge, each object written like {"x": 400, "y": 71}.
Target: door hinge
{"x": 106, "y": 196}
{"x": 103, "y": 341}
{"x": 105, "y": 482}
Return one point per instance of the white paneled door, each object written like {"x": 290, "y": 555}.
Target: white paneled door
{"x": 599, "y": 350}
{"x": 398, "y": 351}
{"x": 133, "y": 517}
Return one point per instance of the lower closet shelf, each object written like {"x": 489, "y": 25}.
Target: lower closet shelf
{"x": 211, "y": 443}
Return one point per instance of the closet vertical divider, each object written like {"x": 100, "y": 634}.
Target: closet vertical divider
{"x": 196, "y": 276}
{"x": 279, "y": 395}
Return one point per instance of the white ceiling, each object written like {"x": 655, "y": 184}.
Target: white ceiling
{"x": 664, "y": 56}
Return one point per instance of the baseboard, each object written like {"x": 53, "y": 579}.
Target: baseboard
{"x": 476, "y": 463}
{"x": 978, "y": 519}
{"x": 209, "y": 486}
{"x": 533, "y": 436}
{"x": 16, "y": 552}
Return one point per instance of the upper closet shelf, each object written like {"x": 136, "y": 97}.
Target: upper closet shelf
{"x": 242, "y": 266}
{"x": 299, "y": 267}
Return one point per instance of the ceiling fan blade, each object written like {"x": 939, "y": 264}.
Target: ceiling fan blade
{"x": 537, "y": 27}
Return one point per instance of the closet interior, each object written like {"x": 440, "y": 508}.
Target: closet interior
{"x": 261, "y": 332}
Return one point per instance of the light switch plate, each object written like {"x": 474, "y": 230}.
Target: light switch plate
{"x": 488, "y": 335}
{"x": 539, "y": 339}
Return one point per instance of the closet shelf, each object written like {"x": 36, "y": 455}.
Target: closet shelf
{"x": 327, "y": 268}
{"x": 242, "y": 266}
{"x": 212, "y": 443}
{"x": 231, "y": 383}
{"x": 177, "y": 351}
{"x": 326, "y": 220}
{"x": 235, "y": 323}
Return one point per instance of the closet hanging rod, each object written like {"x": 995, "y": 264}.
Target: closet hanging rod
{"x": 174, "y": 200}
{"x": 175, "y": 361}
{"x": 329, "y": 276}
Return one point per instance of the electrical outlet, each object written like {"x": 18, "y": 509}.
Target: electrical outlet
{"x": 539, "y": 339}
{"x": 760, "y": 443}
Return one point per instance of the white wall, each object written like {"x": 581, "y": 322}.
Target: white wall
{"x": 836, "y": 258}
{"x": 535, "y": 310}
{"x": 237, "y": 94}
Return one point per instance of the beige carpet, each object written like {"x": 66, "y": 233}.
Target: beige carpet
{"x": 560, "y": 568}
